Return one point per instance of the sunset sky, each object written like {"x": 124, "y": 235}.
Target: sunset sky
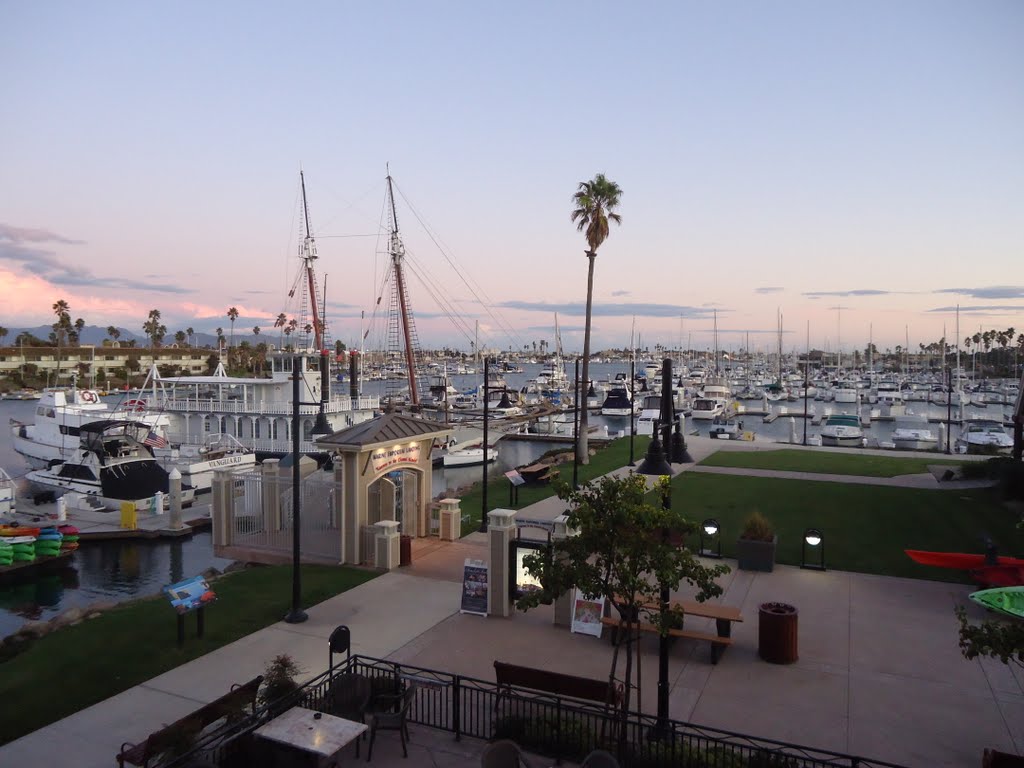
{"x": 793, "y": 157}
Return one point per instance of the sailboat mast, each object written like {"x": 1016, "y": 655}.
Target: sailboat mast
{"x": 309, "y": 256}
{"x": 397, "y": 251}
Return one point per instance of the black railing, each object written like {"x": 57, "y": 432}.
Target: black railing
{"x": 558, "y": 727}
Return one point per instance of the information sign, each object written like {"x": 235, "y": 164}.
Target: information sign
{"x": 189, "y": 595}
{"x": 515, "y": 478}
{"x": 474, "y": 587}
{"x": 586, "y": 614}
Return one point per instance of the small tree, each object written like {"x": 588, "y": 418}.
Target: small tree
{"x": 1003, "y": 640}
{"x": 625, "y": 549}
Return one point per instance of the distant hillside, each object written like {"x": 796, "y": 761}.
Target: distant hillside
{"x": 93, "y": 334}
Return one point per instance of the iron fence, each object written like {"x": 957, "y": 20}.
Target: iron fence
{"x": 558, "y": 727}
{"x": 262, "y": 515}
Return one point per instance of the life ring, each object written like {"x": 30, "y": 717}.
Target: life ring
{"x": 88, "y": 396}
{"x": 135, "y": 405}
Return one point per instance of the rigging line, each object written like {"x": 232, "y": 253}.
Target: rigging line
{"x": 462, "y": 273}
{"x": 338, "y": 237}
{"x": 433, "y": 291}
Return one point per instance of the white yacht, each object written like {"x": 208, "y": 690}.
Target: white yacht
{"x": 713, "y": 399}
{"x": 221, "y": 453}
{"x": 112, "y": 465}
{"x": 985, "y": 437}
{"x": 845, "y": 392}
{"x": 617, "y": 403}
{"x": 842, "y": 429}
{"x": 914, "y": 435}
{"x": 60, "y": 414}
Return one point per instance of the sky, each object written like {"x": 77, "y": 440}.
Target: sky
{"x": 857, "y": 168}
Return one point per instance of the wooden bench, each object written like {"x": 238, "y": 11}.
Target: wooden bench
{"x": 180, "y": 734}
{"x": 539, "y": 474}
{"x": 724, "y": 616}
{"x": 558, "y": 683}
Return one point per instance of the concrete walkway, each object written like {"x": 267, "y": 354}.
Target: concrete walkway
{"x": 879, "y": 673}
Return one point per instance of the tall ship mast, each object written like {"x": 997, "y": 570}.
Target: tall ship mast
{"x": 402, "y": 337}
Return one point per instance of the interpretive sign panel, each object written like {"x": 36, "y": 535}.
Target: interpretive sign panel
{"x": 515, "y": 478}
{"x": 586, "y": 614}
{"x": 474, "y": 587}
{"x": 188, "y": 595}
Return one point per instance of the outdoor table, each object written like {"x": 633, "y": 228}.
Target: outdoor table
{"x": 323, "y": 736}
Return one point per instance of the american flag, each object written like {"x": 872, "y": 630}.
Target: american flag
{"x": 154, "y": 440}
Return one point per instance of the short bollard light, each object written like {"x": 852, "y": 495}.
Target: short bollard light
{"x": 709, "y": 530}
{"x": 814, "y": 539}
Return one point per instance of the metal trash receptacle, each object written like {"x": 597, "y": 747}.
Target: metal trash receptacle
{"x": 404, "y": 550}
{"x": 777, "y": 633}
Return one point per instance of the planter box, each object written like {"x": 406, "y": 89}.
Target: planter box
{"x": 756, "y": 555}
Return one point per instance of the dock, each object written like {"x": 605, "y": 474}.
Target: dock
{"x": 104, "y": 524}
{"x": 39, "y": 564}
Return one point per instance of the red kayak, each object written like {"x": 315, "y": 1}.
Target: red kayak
{"x": 959, "y": 560}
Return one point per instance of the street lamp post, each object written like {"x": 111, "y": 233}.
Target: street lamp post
{"x": 654, "y": 463}
{"x": 576, "y": 426}
{"x": 632, "y": 403}
{"x": 296, "y": 615}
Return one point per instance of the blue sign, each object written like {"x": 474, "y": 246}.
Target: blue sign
{"x": 188, "y": 595}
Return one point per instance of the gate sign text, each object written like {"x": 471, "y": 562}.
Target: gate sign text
{"x": 408, "y": 453}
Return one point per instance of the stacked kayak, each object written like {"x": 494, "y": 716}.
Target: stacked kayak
{"x": 18, "y": 530}
{"x": 6, "y": 552}
{"x": 1005, "y": 600}
{"x": 69, "y": 542}
{"x": 23, "y": 548}
{"x": 48, "y": 542}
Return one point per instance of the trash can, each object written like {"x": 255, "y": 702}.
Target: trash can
{"x": 777, "y": 633}
{"x": 404, "y": 550}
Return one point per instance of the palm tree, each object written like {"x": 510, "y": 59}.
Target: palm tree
{"x": 595, "y": 201}
{"x": 180, "y": 337}
{"x": 256, "y": 331}
{"x": 113, "y": 332}
{"x": 3, "y": 333}
{"x": 79, "y": 325}
{"x": 232, "y": 316}
{"x": 154, "y": 329}
{"x": 220, "y": 337}
{"x": 190, "y": 333}
{"x": 280, "y": 322}
{"x": 61, "y": 310}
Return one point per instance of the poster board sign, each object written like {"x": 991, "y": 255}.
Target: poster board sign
{"x": 190, "y": 594}
{"x": 396, "y": 455}
{"x": 586, "y": 614}
{"x": 474, "y": 587}
{"x": 515, "y": 478}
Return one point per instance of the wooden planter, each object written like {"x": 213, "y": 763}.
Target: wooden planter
{"x": 756, "y": 555}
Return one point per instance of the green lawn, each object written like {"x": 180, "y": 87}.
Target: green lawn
{"x": 866, "y": 528}
{"x": 608, "y": 458}
{"x": 78, "y": 666}
{"x": 826, "y": 462}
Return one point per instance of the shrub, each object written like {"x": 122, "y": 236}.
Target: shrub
{"x": 279, "y": 683}
{"x": 757, "y": 528}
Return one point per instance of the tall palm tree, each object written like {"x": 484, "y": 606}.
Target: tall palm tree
{"x": 3, "y": 333}
{"x": 113, "y": 332}
{"x": 232, "y": 316}
{"x": 79, "y": 326}
{"x": 61, "y": 309}
{"x": 280, "y": 322}
{"x": 190, "y": 333}
{"x": 180, "y": 336}
{"x": 595, "y": 201}
{"x": 256, "y": 331}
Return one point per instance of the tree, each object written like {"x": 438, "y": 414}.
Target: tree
{"x": 61, "y": 309}
{"x": 3, "y": 333}
{"x": 281, "y": 322}
{"x": 79, "y": 327}
{"x": 256, "y": 331}
{"x": 220, "y": 337}
{"x": 1003, "y": 640}
{"x": 595, "y": 201}
{"x": 232, "y": 316}
{"x": 190, "y": 333}
{"x": 179, "y": 337}
{"x": 154, "y": 329}
{"x": 626, "y": 547}
{"x": 113, "y": 332}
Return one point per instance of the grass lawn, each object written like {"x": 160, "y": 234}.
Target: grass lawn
{"x": 866, "y": 528}
{"x": 78, "y": 666}
{"x": 608, "y": 458}
{"x": 867, "y": 465}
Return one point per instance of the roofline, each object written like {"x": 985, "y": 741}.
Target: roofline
{"x": 381, "y": 443}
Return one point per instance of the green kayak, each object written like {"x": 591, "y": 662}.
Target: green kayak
{"x": 1008, "y": 600}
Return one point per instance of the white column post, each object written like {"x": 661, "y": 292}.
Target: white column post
{"x": 387, "y": 542}
{"x": 501, "y": 524}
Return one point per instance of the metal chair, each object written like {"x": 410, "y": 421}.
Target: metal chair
{"x": 349, "y": 697}
{"x": 394, "y": 720}
{"x": 599, "y": 758}
{"x": 503, "y": 753}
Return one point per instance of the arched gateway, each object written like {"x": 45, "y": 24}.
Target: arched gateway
{"x": 386, "y": 475}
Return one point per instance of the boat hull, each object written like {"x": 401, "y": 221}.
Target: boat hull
{"x": 959, "y": 560}
{"x": 1006, "y": 600}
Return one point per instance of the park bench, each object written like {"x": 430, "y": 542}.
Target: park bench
{"x": 508, "y": 675}
{"x": 539, "y": 474}
{"x": 179, "y": 735}
{"x": 724, "y": 616}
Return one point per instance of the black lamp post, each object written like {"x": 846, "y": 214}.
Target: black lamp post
{"x": 814, "y": 539}
{"x": 949, "y": 408}
{"x": 576, "y": 426}
{"x": 296, "y": 615}
{"x": 632, "y": 417}
{"x": 487, "y": 393}
{"x": 654, "y": 463}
